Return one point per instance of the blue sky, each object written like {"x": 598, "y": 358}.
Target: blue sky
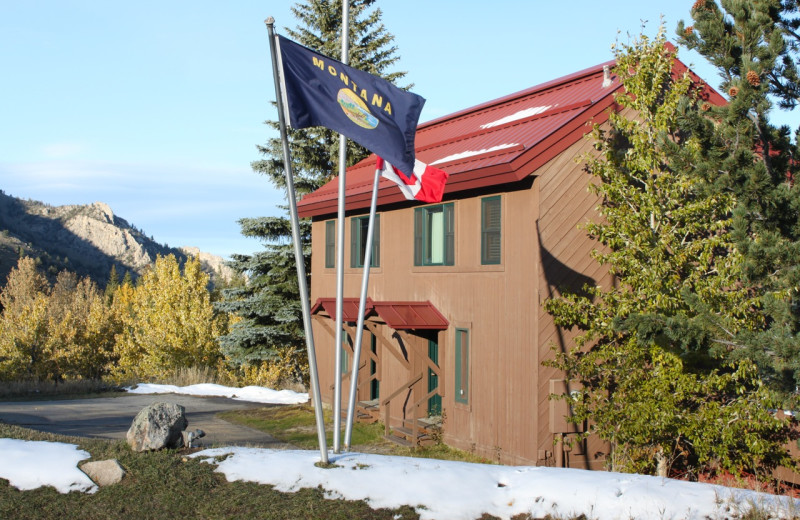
{"x": 156, "y": 107}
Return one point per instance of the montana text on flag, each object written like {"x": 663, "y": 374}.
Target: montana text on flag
{"x": 320, "y": 91}
{"x": 425, "y": 184}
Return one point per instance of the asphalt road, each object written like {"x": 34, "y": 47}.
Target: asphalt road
{"x": 110, "y": 418}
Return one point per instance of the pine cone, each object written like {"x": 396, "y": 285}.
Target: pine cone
{"x": 753, "y": 78}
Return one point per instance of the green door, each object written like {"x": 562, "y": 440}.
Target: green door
{"x": 375, "y": 384}
{"x": 434, "y": 402}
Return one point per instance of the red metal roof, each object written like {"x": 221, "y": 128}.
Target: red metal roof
{"x": 398, "y": 315}
{"x": 497, "y": 142}
{"x": 411, "y": 315}
{"x": 349, "y": 308}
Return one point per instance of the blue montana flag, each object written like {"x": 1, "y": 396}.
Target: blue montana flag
{"x": 320, "y": 91}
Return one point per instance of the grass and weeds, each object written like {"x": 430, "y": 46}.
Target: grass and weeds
{"x": 296, "y": 425}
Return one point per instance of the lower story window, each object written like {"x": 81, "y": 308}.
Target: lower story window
{"x": 462, "y": 366}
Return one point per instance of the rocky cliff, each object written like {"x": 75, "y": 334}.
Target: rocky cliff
{"x": 86, "y": 239}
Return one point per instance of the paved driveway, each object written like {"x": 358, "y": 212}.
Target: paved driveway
{"x": 110, "y": 417}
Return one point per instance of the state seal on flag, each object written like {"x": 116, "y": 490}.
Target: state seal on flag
{"x": 355, "y": 109}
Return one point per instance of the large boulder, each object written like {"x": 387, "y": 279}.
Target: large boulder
{"x": 158, "y": 426}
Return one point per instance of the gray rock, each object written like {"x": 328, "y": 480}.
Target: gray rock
{"x": 158, "y": 426}
{"x": 189, "y": 438}
{"x": 104, "y": 472}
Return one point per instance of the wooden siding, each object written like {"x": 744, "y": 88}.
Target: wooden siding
{"x": 507, "y": 416}
{"x": 566, "y": 263}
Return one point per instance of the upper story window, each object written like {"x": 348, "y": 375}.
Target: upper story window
{"x": 491, "y": 231}
{"x": 434, "y": 235}
{"x": 358, "y": 241}
{"x": 330, "y": 243}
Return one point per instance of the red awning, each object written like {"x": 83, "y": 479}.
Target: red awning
{"x": 398, "y": 315}
{"x": 411, "y": 315}
{"x": 349, "y": 308}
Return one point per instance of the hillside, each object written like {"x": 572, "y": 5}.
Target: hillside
{"x": 86, "y": 239}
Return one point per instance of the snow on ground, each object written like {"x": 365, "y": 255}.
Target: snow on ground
{"x": 459, "y": 490}
{"x": 256, "y": 394}
{"x": 32, "y": 464}
{"x": 437, "y": 489}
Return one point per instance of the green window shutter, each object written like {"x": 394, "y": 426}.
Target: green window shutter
{"x": 449, "y": 235}
{"x": 375, "y": 260}
{"x": 359, "y": 226}
{"x": 330, "y": 243}
{"x": 462, "y": 366}
{"x": 491, "y": 231}
{"x": 356, "y": 257}
{"x": 419, "y": 214}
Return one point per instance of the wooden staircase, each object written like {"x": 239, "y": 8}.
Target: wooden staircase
{"x": 368, "y": 411}
{"x": 417, "y": 430}
{"x": 426, "y": 431}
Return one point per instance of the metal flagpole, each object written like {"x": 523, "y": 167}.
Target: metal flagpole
{"x": 337, "y": 391}
{"x": 362, "y": 303}
{"x": 298, "y": 249}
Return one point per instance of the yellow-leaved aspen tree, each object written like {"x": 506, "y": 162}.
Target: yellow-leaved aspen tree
{"x": 169, "y": 323}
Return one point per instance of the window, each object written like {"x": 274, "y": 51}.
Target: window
{"x": 358, "y": 241}
{"x": 434, "y": 235}
{"x": 330, "y": 243}
{"x": 462, "y": 366}
{"x": 491, "y": 243}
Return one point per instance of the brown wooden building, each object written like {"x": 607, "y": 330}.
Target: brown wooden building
{"x": 455, "y": 325}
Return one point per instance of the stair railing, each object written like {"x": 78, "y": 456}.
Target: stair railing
{"x": 387, "y": 402}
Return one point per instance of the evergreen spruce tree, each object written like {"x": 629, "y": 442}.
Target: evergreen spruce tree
{"x": 127, "y": 279}
{"x": 112, "y": 284}
{"x": 268, "y": 306}
{"x": 754, "y": 46}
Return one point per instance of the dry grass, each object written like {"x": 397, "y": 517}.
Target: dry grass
{"x": 187, "y": 376}
{"x": 31, "y": 390}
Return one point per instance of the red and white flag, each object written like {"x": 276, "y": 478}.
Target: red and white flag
{"x": 425, "y": 184}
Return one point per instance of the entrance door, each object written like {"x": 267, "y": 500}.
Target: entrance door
{"x": 374, "y": 384}
{"x": 434, "y": 402}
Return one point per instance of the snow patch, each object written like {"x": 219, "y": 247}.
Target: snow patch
{"x": 33, "y": 464}
{"x": 471, "y": 153}
{"x": 522, "y": 114}
{"x": 255, "y": 394}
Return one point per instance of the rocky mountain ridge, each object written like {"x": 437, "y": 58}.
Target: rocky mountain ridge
{"x": 86, "y": 239}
